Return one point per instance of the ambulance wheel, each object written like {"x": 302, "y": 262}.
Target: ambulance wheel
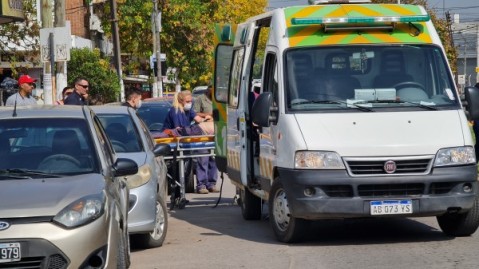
{"x": 250, "y": 205}
{"x": 463, "y": 224}
{"x": 287, "y": 228}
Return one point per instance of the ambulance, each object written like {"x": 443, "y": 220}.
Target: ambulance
{"x": 358, "y": 116}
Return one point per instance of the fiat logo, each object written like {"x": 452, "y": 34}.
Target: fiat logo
{"x": 390, "y": 167}
{"x": 4, "y": 225}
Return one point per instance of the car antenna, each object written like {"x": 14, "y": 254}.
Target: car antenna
{"x": 15, "y": 107}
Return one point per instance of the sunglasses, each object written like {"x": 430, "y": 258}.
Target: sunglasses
{"x": 84, "y": 86}
{"x": 32, "y": 84}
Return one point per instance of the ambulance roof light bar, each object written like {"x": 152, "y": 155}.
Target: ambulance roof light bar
{"x": 347, "y": 20}
{"x": 319, "y": 2}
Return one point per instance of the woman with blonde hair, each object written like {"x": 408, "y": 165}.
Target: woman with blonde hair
{"x": 181, "y": 114}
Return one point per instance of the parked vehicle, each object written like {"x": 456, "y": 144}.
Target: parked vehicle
{"x": 63, "y": 195}
{"x": 199, "y": 90}
{"x": 153, "y": 112}
{"x": 358, "y": 116}
{"x": 147, "y": 216}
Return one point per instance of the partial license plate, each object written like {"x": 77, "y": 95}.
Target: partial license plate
{"x": 391, "y": 207}
{"x": 10, "y": 252}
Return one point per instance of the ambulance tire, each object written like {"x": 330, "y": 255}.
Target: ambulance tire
{"x": 250, "y": 205}
{"x": 287, "y": 228}
{"x": 463, "y": 224}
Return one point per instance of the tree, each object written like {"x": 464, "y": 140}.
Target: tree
{"x": 20, "y": 40}
{"x": 103, "y": 80}
{"x": 187, "y": 34}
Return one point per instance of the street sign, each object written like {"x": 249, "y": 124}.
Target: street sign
{"x": 62, "y": 43}
{"x": 477, "y": 69}
{"x": 461, "y": 79}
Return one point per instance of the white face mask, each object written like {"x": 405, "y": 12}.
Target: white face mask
{"x": 138, "y": 105}
{"x": 187, "y": 106}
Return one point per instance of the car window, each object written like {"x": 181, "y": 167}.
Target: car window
{"x": 154, "y": 114}
{"x": 60, "y": 145}
{"x": 122, "y": 132}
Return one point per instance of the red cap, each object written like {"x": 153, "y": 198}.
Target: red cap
{"x": 25, "y": 79}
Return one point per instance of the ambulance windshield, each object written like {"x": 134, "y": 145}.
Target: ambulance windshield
{"x": 373, "y": 77}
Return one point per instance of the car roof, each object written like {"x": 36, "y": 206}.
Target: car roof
{"x": 117, "y": 109}
{"x": 44, "y": 111}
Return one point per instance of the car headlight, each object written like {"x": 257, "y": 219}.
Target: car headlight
{"x": 140, "y": 178}
{"x": 82, "y": 211}
{"x": 317, "y": 160}
{"x": 455, "y": 156}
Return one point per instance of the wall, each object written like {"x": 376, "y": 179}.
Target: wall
{"x": 76, "y": 12}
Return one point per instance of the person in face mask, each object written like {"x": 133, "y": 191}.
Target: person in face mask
{"x": 133, "y": 98}
{"x": 181, "y": 114}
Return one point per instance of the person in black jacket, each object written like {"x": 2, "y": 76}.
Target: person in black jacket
{"x": 133, "y": 98}
{"x": 79, "y": 96}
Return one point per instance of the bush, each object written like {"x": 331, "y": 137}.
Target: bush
{"x": 103, "y": 79}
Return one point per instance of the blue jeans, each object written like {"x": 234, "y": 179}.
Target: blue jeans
{"x": 206, "y": 172}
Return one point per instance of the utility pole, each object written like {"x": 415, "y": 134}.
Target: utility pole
{"x": 61, "y": 69}
{"x": 116, "y": 47}
{"x": 156, "y": 37}
{"x": 47, "y": 22}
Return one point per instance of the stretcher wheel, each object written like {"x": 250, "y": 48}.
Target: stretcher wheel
{"x": 182, "y": 203}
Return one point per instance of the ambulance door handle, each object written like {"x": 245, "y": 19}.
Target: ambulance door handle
{"x": 216, "y": 114}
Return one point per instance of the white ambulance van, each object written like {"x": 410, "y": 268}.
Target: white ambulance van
{"x": 358, "y": 116}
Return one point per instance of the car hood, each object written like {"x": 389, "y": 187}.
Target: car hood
{"x": 21, "y": 198}
{"x": 380, "y": 134}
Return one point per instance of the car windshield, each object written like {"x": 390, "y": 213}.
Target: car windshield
{"x": 121, "y": 131}
{"x": 373, "y": 77}
{"x": 36, "y": 147}
{"x": 154, "y": 114}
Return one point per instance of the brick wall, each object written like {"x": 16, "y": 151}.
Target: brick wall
{"x": 76, "y": 11}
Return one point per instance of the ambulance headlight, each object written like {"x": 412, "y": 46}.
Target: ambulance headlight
{"x": 317, "y": 160}
{"x": 455, "y": 156}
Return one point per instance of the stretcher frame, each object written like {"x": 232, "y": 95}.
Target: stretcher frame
{"x": 182, "y": 148}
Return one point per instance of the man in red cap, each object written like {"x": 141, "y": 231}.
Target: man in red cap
{"x": 23, "y": 97}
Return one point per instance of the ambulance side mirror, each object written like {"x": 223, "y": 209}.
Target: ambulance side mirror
{"x": 262, "y": 109}
{"x": 471, "y": 95}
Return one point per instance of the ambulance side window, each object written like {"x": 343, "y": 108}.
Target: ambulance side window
{"x": 236, "y": 73}
{"x": 271, "y": 77}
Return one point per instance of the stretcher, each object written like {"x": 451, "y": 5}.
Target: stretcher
{"x": 182, "y": 148}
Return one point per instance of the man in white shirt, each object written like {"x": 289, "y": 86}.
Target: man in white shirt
{"x": 23, "y": 97}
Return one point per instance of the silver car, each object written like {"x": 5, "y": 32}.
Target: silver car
{"x": 63, "y": 198}
{"x": 147, "y": 219}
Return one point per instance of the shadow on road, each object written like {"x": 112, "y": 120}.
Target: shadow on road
{"x": 226, "y": 219}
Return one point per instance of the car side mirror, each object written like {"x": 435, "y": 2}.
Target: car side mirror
{"x": 161, "y": 149}
{"x": 124, "y": 167}
{"x": 260, "y": 113}
{"x": 471, "y": 95}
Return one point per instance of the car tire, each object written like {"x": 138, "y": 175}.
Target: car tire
{"x": 287, "y": 228}
{"x": 250, "y": 204}
{"x": 463, "y": 224}
{"x": 157, "y": 236}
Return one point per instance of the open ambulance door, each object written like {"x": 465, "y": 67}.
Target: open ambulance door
{"x": 224, "y": 39}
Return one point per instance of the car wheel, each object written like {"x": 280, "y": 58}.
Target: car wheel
{"x": 157, "y": 236}
{"x": 286, "y": 228}
{"x": 460, "y": 224}
{"x": 250, "y": 205}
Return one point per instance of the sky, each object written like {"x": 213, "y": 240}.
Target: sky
{"x": 468, "y": 10}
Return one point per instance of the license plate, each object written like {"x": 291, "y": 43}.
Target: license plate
{"x": 10, "y": 252}
{"x": 391, "y": 207}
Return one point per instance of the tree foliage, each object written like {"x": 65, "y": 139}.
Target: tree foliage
{"x": 441, "y": 26}
{"x": 103, "y": 80}
{"x": 20, "y": 40}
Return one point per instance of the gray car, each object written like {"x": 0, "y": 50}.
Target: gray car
{"x": 63, "y": 197}
{"x": 148, "y": 218}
